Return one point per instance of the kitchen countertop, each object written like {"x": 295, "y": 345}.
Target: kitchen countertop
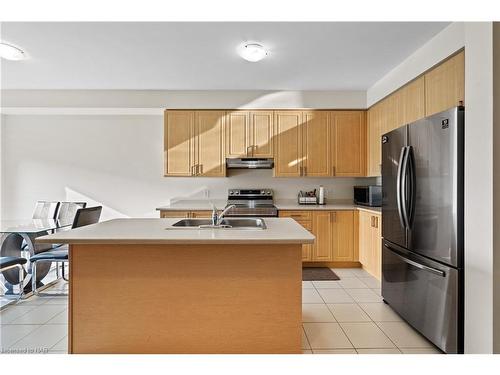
{"x": 160, "y": 231}
{"x": 281, "y": 204}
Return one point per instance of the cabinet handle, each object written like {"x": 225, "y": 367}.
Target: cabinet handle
{"x": 376, "y": 222}
{"x": 333, "y": 216}
{"x": 249, "y": 148}
{"x": 305, "y": 171}
{"x": 254, "y": 148}
{"x": 371, "y": 221}
{"x": 333, "y": 171}
{"x": 201, "y": 168}
{"x": 193, "y": 172}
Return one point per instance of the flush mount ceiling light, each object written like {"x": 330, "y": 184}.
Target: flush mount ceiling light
{"x": 253, "y": 52}
{"x": 10, "y": 52}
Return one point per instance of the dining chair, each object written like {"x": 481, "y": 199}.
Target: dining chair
{"x": 7, "y": 263}
{"x": 83, "y": 216}
{"x": 45, "y": 210}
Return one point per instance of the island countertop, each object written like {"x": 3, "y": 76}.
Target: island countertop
{"x": 160, "y": 231}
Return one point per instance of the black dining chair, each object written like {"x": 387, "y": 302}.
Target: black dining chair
{"x": 7, "y": 263}
{"x": 83, "y": 217}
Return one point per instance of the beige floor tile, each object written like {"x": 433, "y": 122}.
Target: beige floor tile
{"x": 380, "y": 312}
{"x": 348, "y": 312}
{"x": 42, "y": 338}
{"x": 371, "y": 282}
{"x": 326, "y": 336}
{"x": 61, "y": 318}
{"x": 366, "y": 335}
{"x": 335, "y": 296}
{"x": 13, "y": 312}
{"x": 316, "y": 313}
{"x": 307, "y": 285}
{"x": 378, "y": 351}
{"x": 344, "y": 273}
{"x": 307, "y": 351}
{"x": 327, "y": 284}
{"x": 334, "y": 351}
{"x": 352, "y": 283}
{"x": 403, "y": 335}
{"x": 359, "y": 272}
{"x": 57, "y": 301}
{"x": 421, "y": 351}
{"x": 363, "y": 295}
{"x": 304, "y": 342}
{"x": 378, "y": 292}
{"x": 9, "y": 334}
{"x": 39, "y": 315}
{"x": 33, "y": 301}
{"x": 311, "y": 296}
{"x": 62, "y": 345}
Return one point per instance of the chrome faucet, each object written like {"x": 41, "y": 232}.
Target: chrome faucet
{"x": 217, "y": 218}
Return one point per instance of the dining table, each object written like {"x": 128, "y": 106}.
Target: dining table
{"x": 17, "y": 238}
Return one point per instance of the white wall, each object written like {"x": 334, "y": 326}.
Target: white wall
{"x": 448, "y": 41}
{"x": 117, "y": 160}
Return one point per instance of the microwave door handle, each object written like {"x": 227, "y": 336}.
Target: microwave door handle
{"x": 435, "y": 271}
{"x": 398, "y": 187}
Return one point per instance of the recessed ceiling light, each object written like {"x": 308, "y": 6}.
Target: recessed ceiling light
{"x": 10, "y": 52}
{"x": 253, "y": 52}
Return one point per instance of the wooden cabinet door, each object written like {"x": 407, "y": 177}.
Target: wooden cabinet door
{"x": 323, "y": 230}
{"x": 374, "y": 126}
{"x": 343, "y": 236}
{"x": 307, "y": 250}
{"x": 178, "y": 143}
{"x": 261, "y": 134}
{"x": 288, "y": 144}
{"x": 365, "y": 238}
{"x": 238, "y": 134}
{"x": 348, "y": 129}
{"x": 210, "y": 155}
{"x": 413, "y": 97}
{"x": 200, "y": 214}
{"x": 445, "y": 85}
{"x": 316, "y": 144}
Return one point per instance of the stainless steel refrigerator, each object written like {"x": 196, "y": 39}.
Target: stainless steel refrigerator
{"x": 422, "y": 226}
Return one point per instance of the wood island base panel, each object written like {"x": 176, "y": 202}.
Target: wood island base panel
{"x": 168, "y": 298}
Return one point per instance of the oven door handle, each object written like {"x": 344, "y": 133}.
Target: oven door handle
{"x": 415, "y": 264}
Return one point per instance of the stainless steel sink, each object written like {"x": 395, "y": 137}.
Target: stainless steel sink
{"x": 226, "y": 223}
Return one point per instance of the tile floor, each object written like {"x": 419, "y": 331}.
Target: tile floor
{"x": 339, "y": 317}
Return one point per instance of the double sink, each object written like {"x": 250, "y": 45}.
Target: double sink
{"x": 225, "y": 223}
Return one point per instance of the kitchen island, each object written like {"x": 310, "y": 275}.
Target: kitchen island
{"x": 144, "y": 286}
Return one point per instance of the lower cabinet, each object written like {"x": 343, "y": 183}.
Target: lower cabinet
{"x": 335, "y": 232}
{"x": 186, "y": 214}
{"x": 370, "y": 243}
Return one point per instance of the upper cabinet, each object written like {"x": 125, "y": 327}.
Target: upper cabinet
{"x": 209, "y": 139}
{"x": 316, "y": 144}
{"x": 249, "y": 134}
{"x": 330, "y": 143}
{"x": 437, "y": 90}
{"x": 288, "y": 143}
{"x": 348, "y": 139}
{"x": 194, "y": 143}
{"x": 178, "y": 143}
{"x": 445, "y": 85}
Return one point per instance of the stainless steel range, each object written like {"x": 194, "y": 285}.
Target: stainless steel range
{"x": 251, "y": 202}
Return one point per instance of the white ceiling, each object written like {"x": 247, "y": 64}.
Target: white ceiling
{"x": 202, "y": 56}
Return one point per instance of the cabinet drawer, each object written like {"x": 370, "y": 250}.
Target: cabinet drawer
{"x": 167, "y": 214}
{"x": 297, "y": 215}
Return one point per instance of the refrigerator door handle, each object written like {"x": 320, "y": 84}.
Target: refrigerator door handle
{"x": 415, "y": 264}
{"x": 399, "y": 191}
{"x": 412, "y": 186}
{"x": 404, "y": 187}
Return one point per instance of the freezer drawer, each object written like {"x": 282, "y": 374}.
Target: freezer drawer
{"x": 426, "y": 294}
